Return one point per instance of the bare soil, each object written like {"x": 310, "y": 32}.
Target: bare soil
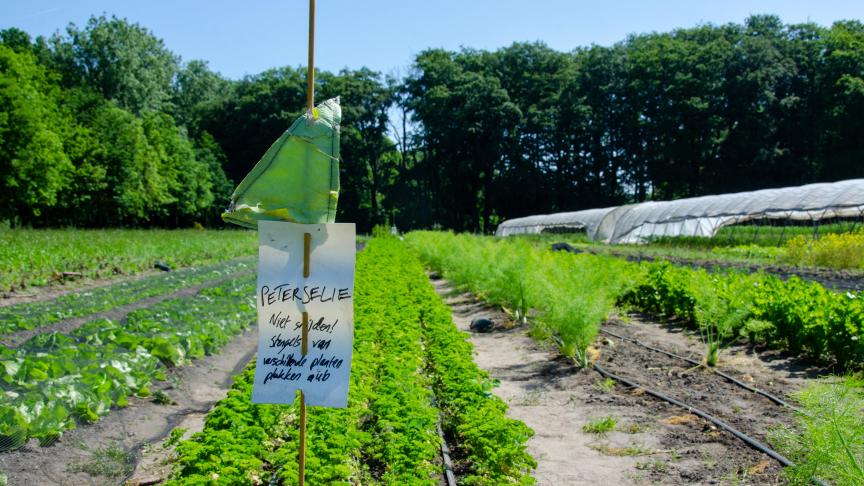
{"x": 133, "y": 432}
{"x": 66, "y": 286}
{"x": 653, "y": 442}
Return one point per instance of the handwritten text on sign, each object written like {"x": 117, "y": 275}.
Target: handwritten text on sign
{"x": 327, "y": 295}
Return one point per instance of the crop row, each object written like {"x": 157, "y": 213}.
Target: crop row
{"x": 33, "y": 257}
{"x": 32, "y": 315}
{"x": 801, "y": 316}
{"x": 55, "y": 380}
{"x": 387, "y": 434}
{"x": 571, "y": 295}
{"x": 491, "y": 445}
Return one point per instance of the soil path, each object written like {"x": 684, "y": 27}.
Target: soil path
{"x": 79, "y": 457}
{"x": 549, "y": 395}
{"x": 652, "y": 442}
{"x": 15, "y": 339}
{"x": 63, "y": 287}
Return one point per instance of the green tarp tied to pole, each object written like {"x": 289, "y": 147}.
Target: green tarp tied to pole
{"x": 297, "y": 180}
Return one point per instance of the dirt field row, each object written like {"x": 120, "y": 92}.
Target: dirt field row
{"x": 650, "y": 442}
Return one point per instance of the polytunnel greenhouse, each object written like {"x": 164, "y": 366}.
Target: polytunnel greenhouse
{"x": 701, "y": 216}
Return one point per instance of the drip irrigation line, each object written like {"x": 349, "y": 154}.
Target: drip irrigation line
{"x": 773, "y": 398}
{"x": 449, "y": 475}
{"x": 759, "y": 446}
{"x": 705, "y": 415}
{"x": 445, "y": 455}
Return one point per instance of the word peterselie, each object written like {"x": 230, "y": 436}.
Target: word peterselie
{"x": 308, "y": 293}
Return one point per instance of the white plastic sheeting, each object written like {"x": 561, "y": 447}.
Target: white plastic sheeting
{"x": 587, "y": 220}
{"x": 702, "y": 216}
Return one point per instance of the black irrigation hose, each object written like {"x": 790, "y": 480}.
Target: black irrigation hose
{"x": 705, "y": 415}
{"x": 714, "y": 420}
{"x": 773, "y": 398}
{"x": 445, "y": 455}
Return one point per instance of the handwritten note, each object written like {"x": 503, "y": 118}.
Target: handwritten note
{"x": 327, "y": 296}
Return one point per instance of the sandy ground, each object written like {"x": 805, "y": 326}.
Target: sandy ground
{"x": 653, "y": 442}
{"x": 548, "y": 395}
{"x": 66, "y": 286}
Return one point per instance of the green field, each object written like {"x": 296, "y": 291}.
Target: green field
{"x": 412, "y": 370}
{"x": 412, "y": 366}
{"x": 37, "y": 257}
{"x": 836, "y": 246}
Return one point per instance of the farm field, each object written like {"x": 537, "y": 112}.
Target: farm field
{"x": 835, "y": 259}
{"x": 82, "y": 367}
{"x": 725, "y": 310}
{"x": 673, "y": 295}
{"x": 412, "y": 372}
{"x": 39, "y": 257}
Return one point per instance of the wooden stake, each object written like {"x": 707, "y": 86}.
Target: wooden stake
{"x": 307, "y": 242}
{"x": 304, "y": 348}
{"x": 302, "y": 438}
{"x": 304, "y": 342}
{"x": 310, "y": 76}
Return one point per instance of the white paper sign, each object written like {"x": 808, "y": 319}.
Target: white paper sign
{"x": 283, "y": 295}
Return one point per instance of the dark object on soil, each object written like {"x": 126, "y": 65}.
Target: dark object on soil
{"x": 162, "y": 266}
{"x": 564, "y": 247}
{"x": 434, "y": 276}
{"x": 482, "y": 324}
{"x": 71, "y": 274}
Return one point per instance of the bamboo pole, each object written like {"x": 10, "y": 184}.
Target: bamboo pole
{"x": 304, "y": 348}
{"x": 310, "y": 76}
{"x": 307, "y": 240}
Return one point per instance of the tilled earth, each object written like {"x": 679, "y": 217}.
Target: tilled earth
{"x": 653, "y": 442}
{"x": 699, "y": 387}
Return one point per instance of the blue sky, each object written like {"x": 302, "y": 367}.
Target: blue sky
{"x": 247, "y": 37}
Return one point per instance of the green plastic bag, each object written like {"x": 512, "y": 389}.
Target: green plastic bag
{"x": 297, "y": 180}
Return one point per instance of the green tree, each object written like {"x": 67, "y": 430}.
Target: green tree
{"x": 466, "y": 118}
{"x": 33, "y": 165}
{"x": 366, "y": 166}
{"x": 123, "y": 61}
{"x": 843, "y": 85}
{"x": 197, "y": 89}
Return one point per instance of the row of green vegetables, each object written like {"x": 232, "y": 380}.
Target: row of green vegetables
{"x": 34, "y": 257}
{"x": 801, "y": 316}
{"x": 572, "y": 294}
{"x": 568, "y": 295}
{"x": 410, "y": 366}
{"x": 33, "y": 315}
{"x": 54, "y": 381}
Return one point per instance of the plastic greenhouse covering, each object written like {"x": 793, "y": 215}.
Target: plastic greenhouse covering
{"x": 701, "y": 216}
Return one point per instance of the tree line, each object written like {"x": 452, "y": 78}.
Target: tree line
{"x": 103, "y": 125}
